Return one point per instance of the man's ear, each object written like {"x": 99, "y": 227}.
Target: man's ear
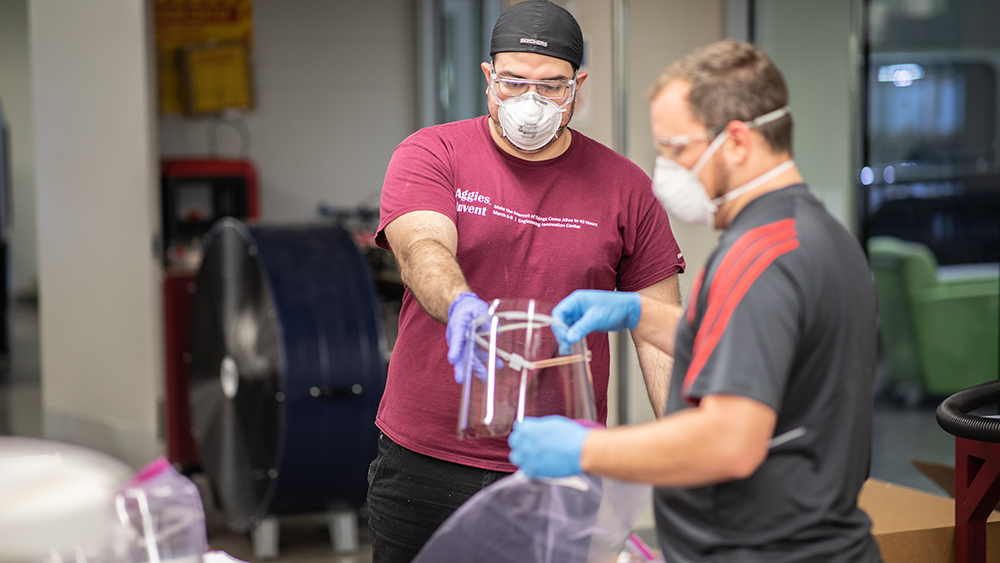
{"x": 738, "y": 150}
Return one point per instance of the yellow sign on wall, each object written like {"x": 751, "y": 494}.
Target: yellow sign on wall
{"x": 193, "y": 24}
{"x": 214, "y": 77}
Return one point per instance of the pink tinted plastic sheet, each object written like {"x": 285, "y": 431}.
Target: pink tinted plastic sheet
{"x": 580, "y": 519}
{"x": 514, "y": 369}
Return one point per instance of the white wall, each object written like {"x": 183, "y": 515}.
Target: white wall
{"x": 810, "y": 44}
{"x": 15, "y": 91}
{"x": 661, "y": 32}
{"x": 335, "y": 93}
{"x": 658, "y": 32}
{"x": 97, "y": 198}
{"x": 596, "y": 120}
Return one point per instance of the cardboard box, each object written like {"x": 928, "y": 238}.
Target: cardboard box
{"x": 912, "y": 526}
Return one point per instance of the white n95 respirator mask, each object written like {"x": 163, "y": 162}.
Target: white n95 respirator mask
{"x": 681, "y": 192}
{"x": 529, "y": 120}
{"x": 685, "y": 197}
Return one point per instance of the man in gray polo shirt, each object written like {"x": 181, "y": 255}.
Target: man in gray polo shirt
{"x": 767, "y": 435}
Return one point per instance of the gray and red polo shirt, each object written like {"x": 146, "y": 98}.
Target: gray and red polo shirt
{"x": 784, "y": 313}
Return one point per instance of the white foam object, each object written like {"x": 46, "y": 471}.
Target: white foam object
{"x": 55, "y": 500}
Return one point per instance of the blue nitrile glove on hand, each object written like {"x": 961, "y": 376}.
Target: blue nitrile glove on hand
{"x": 466, "y": 308}
{"x": 547, "y": 447}
{"x": 590, "y": 310}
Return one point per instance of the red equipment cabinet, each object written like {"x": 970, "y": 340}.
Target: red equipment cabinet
{"x": 195, "y": 192}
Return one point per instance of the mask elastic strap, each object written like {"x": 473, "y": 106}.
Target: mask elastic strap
{"x": 716, "y": 143}
{"x": 768, "y": 117}
{"x": 755, "y": 183}
{"x": 753, "y": 123}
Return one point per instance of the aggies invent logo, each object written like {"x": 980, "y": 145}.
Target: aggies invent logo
{"x": 472, "y": 197}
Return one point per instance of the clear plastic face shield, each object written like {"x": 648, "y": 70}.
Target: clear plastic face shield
{"x": 515, "y": 369}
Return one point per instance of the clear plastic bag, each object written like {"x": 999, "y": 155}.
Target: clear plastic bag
{"x": 579, "y": 519}
{"x": 158, "y": 518}
{"x": 515, "y": 369}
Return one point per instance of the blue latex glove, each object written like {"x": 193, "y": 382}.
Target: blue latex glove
{"x": 590, "y": 310}
{"x": 466, "y": 308}
{"x": 547, "y": 447}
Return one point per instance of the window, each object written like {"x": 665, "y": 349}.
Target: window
{"x": 932, "y": 126}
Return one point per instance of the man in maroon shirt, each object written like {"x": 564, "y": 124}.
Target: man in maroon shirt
{"x": 510, "y": 205}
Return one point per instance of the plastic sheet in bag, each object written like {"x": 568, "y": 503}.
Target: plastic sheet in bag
{"x": 579, "y": 519}
{"x": 159, "y": 518}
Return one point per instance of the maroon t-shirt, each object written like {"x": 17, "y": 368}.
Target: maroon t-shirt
{"x": 586, "y": 219}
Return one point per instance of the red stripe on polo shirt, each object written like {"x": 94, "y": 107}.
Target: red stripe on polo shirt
{"x": 693, "y": 300}
{"x": 744, "y": 251}
{"x": 758, "y": 249}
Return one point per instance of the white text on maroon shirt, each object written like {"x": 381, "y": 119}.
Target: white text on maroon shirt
{"x": 471, "y": 197}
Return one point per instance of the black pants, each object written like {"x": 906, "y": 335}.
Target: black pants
{"x": 410, "y": 495}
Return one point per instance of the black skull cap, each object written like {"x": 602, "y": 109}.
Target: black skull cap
{"x": 539, "y": 26}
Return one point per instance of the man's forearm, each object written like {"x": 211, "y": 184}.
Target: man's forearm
{"x": 658, "y": 323}
{"x": 433, "y": 275}
{"x": 656, "y": 368}
{"x": 656, "y": 363}
{"x": 725, "y": 438}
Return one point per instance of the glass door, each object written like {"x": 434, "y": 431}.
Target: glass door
{"x": 931, "y": 147}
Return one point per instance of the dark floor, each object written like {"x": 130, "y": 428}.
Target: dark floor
{"x": 900, "y": 433}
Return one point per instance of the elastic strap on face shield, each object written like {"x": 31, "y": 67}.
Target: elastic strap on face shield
{"x": 516, "y": 361}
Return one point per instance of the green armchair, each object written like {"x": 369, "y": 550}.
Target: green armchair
{"x": 939, "y": 326}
